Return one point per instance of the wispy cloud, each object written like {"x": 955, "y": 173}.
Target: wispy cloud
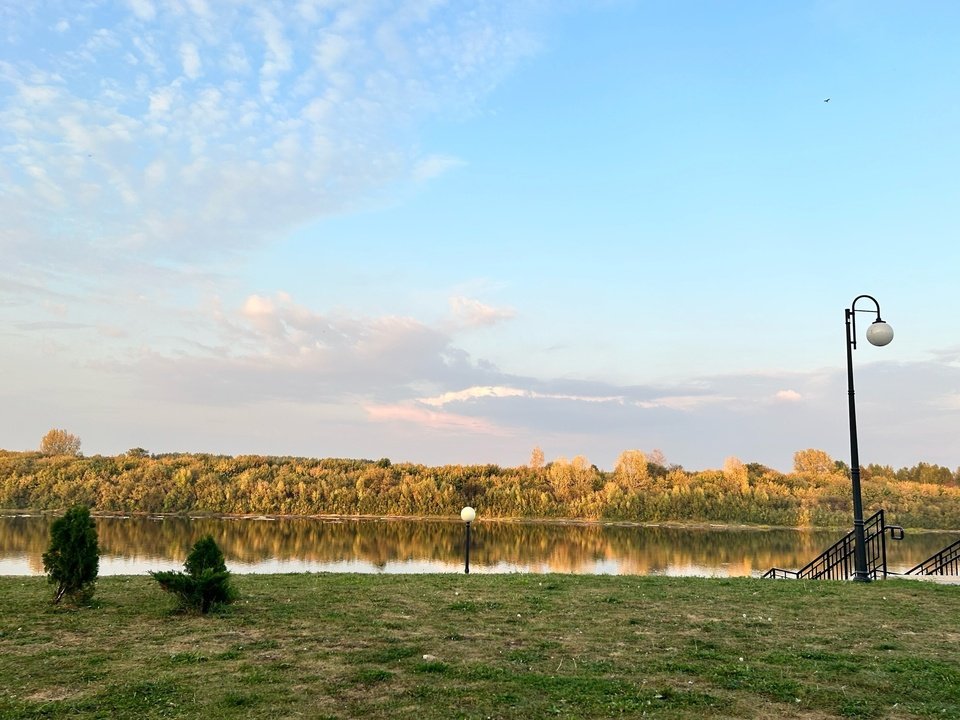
{"x": 684, "y": 403}
{"x": 434, "y": 166}
{"x": 473, "y": 313}
{"x": 948, "y": 355}
{"x": 475, "y": 393}
{"x": 52, "y": 325}
{"x": 432, "y": 419}
{"x": 190, "y": 58}
{"x": 143, "y": 9}
{"x": 214, "y": 127}
{"x": 947, "y": 401}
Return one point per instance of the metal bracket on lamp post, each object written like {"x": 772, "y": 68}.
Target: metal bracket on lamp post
{"x": 880, "y": 334}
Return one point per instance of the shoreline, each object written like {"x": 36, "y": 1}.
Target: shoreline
{"x": 333, "y": 517}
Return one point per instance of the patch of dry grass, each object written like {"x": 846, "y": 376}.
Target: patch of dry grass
{"x": 512, "y": 646}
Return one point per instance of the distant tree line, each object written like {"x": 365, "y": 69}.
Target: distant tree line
{"x": 815, "y": 493}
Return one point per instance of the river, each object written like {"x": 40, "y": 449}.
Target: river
{"x": 137, "y": 544}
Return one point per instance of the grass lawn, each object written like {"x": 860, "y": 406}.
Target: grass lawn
{"x": 486, "y": 646}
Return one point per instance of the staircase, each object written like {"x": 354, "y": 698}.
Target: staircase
{"x": 945, "y": 562}
{"x": 837, "y": 561}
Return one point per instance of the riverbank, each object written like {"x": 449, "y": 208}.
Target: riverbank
{"x": 513, "y": 646}
{"x": 333, "y": 517}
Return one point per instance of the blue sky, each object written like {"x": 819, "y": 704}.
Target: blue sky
{"x": 449, "y": 232}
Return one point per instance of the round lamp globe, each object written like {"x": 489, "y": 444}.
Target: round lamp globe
{"x": 879, "y": 334}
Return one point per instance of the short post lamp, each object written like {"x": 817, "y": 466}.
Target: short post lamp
{"x": 468, "y": 515}
{"x": 880, "y": 334}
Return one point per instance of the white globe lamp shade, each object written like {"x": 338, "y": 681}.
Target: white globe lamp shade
{"x": 468, "y": 514}
{"x": 879, "y": 334}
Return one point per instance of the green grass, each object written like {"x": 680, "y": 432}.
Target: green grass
{"x": 510, "y": 646}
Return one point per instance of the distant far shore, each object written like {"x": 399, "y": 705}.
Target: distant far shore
{"x": 817, "y": 494}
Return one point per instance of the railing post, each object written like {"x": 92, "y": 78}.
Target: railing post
{"x": 883, "y": 543}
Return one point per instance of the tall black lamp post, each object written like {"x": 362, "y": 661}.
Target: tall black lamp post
{"x": 468, "y": 515}
{"x": 880, "y": 334}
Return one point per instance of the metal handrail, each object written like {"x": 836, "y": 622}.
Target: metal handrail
{"x": 780, "y": 574}
{"x": 945, "y": 562}
{"x": 838, "y": 561}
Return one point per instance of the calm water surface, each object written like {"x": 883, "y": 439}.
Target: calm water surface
{"x": 134, "y": 545}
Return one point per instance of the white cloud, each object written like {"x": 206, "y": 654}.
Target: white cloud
{"x": 472, "y": 394}
{"x": 38, "y": 94}
{"x": 473, "y": 313}
{"x": 235, "y": 61}
{"x": 278, "y": 57}
{"x": 143, "y": 9}
{"x": 161, "y": 100}
{"x": 256, "y": 306}
{"x": 272, "y": 347}
{"x": 330, "y": 51}
{"x": 788, "y": 396}
{"x": 949, "y": 355}
{"x": 684, "y": 403}
{"x": 434, "y": 166}
{"x": 149, "y": 53}
{"x": 479, "y": 392}
{"x": 204, "y": 168}
{"x": 200, "y": 8}
{"x": 190, "y": 58}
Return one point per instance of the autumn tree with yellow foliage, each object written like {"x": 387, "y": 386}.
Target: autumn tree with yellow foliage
{"x": 815, "y": 493}
{"x": 60, "y": 442}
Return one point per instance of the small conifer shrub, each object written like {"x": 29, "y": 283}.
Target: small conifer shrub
{"x": 72, "y": 560}
{"x": 206, "y": 582}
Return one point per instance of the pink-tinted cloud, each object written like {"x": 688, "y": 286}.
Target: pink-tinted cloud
{"x": 432, "y": 419}
{"x": 788, "y": 396}
{"x": 474, "y": 313}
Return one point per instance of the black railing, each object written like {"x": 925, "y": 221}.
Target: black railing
{"x": 837, "y": 561}
{"x": 945, "y": 562}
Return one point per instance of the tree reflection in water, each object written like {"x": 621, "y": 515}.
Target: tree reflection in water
{"x": 398, "y": 545}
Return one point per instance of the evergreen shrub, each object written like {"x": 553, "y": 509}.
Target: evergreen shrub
{"x": 206, "y": 582}
{"x": 72, "y": 561}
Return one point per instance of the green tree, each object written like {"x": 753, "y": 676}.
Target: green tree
{"x": 60, "y": 442}
{"x": 206, "y": 582}
{"x": 73, "y": 559}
